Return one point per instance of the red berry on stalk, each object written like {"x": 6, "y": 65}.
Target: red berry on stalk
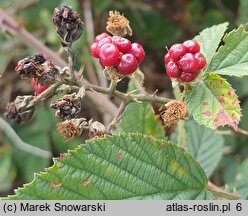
{"x": 108, "y": 54}
{"x": 93, "y": 50}
{"x": 187, "y": 77}
{"x": 123, "y": 44}
{"x": 127, "y": 64}
{"x": 201, "y": 60}
{"x": 177, "y": 51}
{"x": 192, "y": 46}
{"x": 167, "y": 58}
{"x": 173, "y": 70}
{"x": 101, "y": 36}
{"x": 102, "y": 42}
{"x": 138, "y": 51}
{"x": 188, "y": 63}
{"x": 38, "y": 87}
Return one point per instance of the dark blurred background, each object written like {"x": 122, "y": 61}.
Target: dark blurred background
{"x": 155, "y": 24}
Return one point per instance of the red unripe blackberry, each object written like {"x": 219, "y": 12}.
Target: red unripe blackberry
{"x": 177, "y": 51}
{"x": 173, "y": 70}
{"x": 123, "y": 44}
{"x": 187, "y": 77}
{"x": 201, "y": 60}
{"x": 102, "y": 42}
{"x": 188, "y": 63}
{"x": 93, "y": 50}
{"x": 127, "y": 64}
{"x": 192, "y": 46}
{"x": 167, "y": 58}
{"x": 108, "y": 54}
{"x": 101, "y": 36}
{"x": 138, "y": 51}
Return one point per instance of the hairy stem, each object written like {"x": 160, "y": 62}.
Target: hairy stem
{"x": 181, "y": 124}
{"x": 117, "y": 117}
{"x": 71, "y": 60}
{"x": 219, "y": 193}
{"x": 123, "y": 96}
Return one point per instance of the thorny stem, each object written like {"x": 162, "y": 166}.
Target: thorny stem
{"x": 123, "y": 96}
{"x": 71, "y": 60}
{"x": 219, "y": 193}
{"x": 8, "y": 23}
{"x": 112, "y": 86}
{"x": 41, "y": 96}
{"x": 232, "y": 132}
{"x": 181, "y": 124}
{"x": 117, "y": 117}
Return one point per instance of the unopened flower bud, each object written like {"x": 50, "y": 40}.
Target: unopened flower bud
{"x": 175, "y": 111}
{"x": 68, "y": 107}
{"x": 68, "y": 23}
{"x": 118, "y": 25}
{"x": 18, "y": 111}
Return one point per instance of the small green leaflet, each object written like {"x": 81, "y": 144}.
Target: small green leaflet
{"x": 212, "y": 102}
{"x": 205, "y": 146}
{"x": 209, "y": 40}
{"x": 232, "y": 58}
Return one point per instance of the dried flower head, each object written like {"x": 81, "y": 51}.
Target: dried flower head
{"x": 68, "y": 107}
{"x": 111, "y": 73}
{"x": 175, "y": 111}
{"x": 71, "y": 128}
{"x": 68, "y": 23}
{"x": 118, "y": 25}
{"x": 44, "y": 71}
{"x": 18, "y": 110}
{"x": 27, "y": 67}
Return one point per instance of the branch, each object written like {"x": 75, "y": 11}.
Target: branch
{"x": 123, "y": 96}
{"x": 90, "y": 38}
{"x": 232, "y": 132}
{"x": 219, "y": 193}
{"x": 8, "y": 130}
{"x": 117, "y": 117}
{"x": 71, "y": 60}
{"x": 13, "y": 27}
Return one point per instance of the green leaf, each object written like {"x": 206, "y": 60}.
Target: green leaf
{"x": 209, "y": 40}
{"x": 212, "y": 102}
{"x": 232, "y": 58}
{"x": 139, "y": 118}
{"x": 241, "y": 180}
{"x": 126, "y": 166}
{"x": 6, "y": 171}
{"x": 205, "y": 146}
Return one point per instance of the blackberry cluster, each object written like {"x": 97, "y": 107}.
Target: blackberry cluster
{"x": 118, "y": 52}
{"x": 184, "y": 61}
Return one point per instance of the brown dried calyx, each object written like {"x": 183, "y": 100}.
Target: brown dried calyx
{"x": 18, "y": 110}
{"x": 68, "y": 23}
{"x": 118, "y": 25}
{"x": 112, "y": 73}
{"x": 44, "y": 71}
{"x": 75, "y": 127}
{"x": 175, "y": 111}
{"x": 69, "y": 106}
